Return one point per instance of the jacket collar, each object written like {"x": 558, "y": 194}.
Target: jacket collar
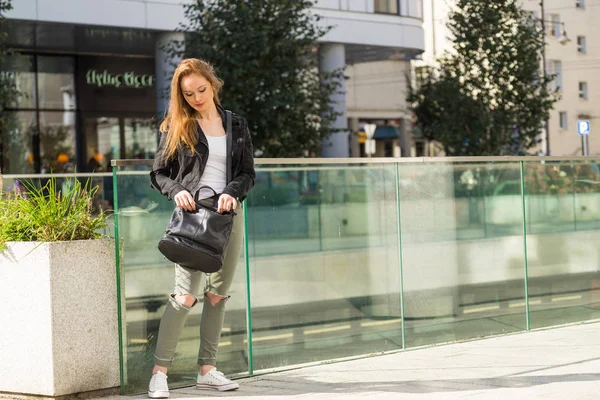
{"x": 201, "y": 136}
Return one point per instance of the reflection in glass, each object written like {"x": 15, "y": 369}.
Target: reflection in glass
{"x": 338, "y": 294}
{"x": 563, "y": 221}
{"x": 140, "y": 138}
{"x": 18, "y": 70}
{"x": 56, "y": 86}
{"x": 102, "y": 138}
{"x": 459, "y": 283}
{"x": 57, "y": 141}
{"x": 17, "y": 150}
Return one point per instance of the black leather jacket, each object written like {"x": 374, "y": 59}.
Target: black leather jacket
{"x": 183, "y": 171}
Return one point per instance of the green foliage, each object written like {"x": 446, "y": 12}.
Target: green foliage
{"x": 49, "y": 213}
{"x": 487, "y": 96}
{"x": 266, "y": 52}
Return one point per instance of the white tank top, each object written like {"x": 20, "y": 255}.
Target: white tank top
{"x": 215, "y": 172}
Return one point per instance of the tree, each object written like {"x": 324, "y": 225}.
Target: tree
{"x": 487, "y": 96}
{"x": 266, "y": 52}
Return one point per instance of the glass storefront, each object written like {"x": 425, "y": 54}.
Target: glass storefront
{"x": 77, "y": 111}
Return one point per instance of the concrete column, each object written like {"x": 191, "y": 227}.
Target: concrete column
{"x": 333, "y": 56}
{"x": 165, "y": 66}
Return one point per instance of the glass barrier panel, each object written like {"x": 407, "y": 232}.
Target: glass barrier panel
{"x": 563, "y": 232}
{"x": 325, "y": 277}
{"x": 462, "y": 251}
{"x": 147, "y": 281}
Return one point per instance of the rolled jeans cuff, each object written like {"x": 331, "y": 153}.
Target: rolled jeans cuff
{"x": 207, "y": 361}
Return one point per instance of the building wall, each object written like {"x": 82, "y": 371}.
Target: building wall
{"x": 576, "y": 67}
{"x": 377, "y": 90}
{"x": 149, "y": 14}
{"x": 436, "y": 33}
{"x": 355, "y": 21}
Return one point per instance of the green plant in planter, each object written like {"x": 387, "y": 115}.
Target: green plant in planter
{"x": 50, "y": 213}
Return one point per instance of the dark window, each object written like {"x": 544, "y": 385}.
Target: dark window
{"x": 388, "y": 149}
{"x": 387, "y": 6}
{"x": 420, "y": 149}
{"x": 581, "y": 45}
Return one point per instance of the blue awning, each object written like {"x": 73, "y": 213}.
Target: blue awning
{"x": 386, "y": 132}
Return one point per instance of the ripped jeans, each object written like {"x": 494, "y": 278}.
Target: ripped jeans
{"x": 187, "y": 281}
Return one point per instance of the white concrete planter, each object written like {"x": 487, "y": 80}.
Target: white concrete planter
{"x": 58, "y": 329}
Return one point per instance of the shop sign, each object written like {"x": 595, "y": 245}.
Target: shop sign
{"x": 128, "y": 79}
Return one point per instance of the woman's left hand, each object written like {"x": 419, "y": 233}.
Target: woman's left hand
{"x": 226, "y": 203}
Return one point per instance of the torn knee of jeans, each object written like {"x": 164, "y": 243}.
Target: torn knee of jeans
{"x": 219, "y": 298}
{"x": 185, "y": 300}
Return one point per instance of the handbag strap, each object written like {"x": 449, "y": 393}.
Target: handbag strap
{"x": 229, "y": 144}
{"x": 200, "y": 189}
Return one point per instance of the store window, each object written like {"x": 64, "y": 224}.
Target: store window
{"x": 17, "y": 145}
{"x": 140, "y": 138}
{"x": 103, "y": 142}
{"x": 57, "y": 141}
{"x": 77, "y": 113}
{"x": 19, "y": 70}
{"x": 56, "y": 83}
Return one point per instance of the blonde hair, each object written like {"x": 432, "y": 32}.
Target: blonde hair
{"x": 179, "y": 123}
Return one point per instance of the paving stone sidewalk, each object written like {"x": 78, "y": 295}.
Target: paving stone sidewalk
{"x": 560, "y": 363}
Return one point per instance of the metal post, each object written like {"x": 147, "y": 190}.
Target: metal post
{"x": 525, "y": 258}
{"x": 122, "y": 369}
{"x": 546, "y": 122}
{"x": 249, "y": 328}
{"x": 585, "y": 144}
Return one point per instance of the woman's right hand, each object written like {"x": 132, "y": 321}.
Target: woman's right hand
{"x": 185, "y": 200}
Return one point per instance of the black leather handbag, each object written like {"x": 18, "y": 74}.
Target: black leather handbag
{"x": 198, "y": 239}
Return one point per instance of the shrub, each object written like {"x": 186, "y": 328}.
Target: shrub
{"x": 49, "y": 213}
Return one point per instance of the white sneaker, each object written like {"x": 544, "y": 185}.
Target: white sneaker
{"x": 158, "y": 386}
{"x": 215, "y": 380}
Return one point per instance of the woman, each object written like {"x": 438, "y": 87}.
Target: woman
{"x": 192, "y": 153}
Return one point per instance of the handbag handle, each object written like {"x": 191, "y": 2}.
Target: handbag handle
{"x": 204, "y": 187}
{"x": 196, "y": 200}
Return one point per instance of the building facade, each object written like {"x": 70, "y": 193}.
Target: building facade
{"x": 93, "y": 76}
{"x": 572, "y": 54}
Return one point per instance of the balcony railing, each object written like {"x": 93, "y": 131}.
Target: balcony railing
{"x": 406, "y": 8}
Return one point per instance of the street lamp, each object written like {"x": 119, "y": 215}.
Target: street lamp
{"x": 563, "y": 40}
